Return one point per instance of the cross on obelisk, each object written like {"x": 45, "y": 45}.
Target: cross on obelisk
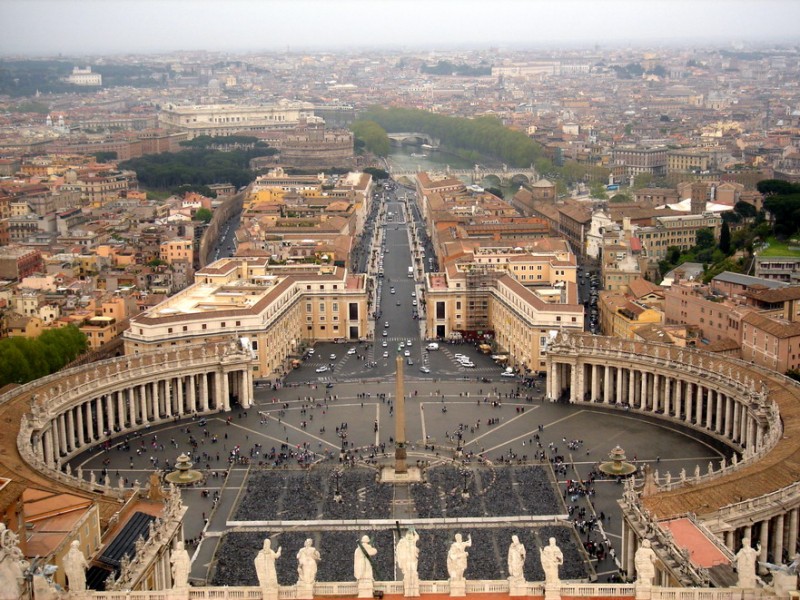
{"x": 399, "y": 421}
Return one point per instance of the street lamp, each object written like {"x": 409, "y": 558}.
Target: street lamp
{"x": 465, "y": 473}
{"x": 336, "y": 474}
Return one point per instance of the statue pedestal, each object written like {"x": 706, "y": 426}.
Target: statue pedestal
{"x": 304, "y": 591}
{"x": 458, "y": 588}
{"x": 365, "y": 588}
{"x": 552, "y": 591}
{"x": 643, "y": 591}
{"x": 269, "y": 593}
{"x": 517, "y": 587}
{"x": 411, "y": 590}
{"x": 390, "y": 475}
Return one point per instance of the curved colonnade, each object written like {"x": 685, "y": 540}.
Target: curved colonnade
{"x": 753, "y": 412}
{"x": 65, "y": 414}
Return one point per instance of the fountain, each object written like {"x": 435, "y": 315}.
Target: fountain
{"x": 183, "y": 473}
{"x": 617, "y": 465}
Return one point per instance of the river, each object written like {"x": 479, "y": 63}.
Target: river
{"x": 413, "y": 158}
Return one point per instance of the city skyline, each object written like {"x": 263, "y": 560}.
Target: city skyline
{"x": 87, "y": 27}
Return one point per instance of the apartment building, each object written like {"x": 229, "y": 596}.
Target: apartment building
{"x": 679, "y": 230}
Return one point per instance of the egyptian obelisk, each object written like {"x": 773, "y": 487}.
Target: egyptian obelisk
{"x": 399, "y": 421}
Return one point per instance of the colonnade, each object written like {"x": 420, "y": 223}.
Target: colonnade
{"x": 700, "y": 403}
{"x": 140, "y": 395}
{"x": 723, "y": 398}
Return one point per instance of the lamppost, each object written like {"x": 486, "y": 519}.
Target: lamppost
{"x": 336, "y": 474}
{"x": 343, "y": 436}
{"x": 465, "y": 473}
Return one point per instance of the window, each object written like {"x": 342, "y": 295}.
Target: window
{"x": 238, "y": 323}
{"x": 222, "y": 324}
{"x": 205, "y": 326}
{"x": 254, "y": 344}
{"x": 308, "y": 307}
{"x": 169, "y": 330}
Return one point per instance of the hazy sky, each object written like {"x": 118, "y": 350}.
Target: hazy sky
{"x": 47, "y": 27}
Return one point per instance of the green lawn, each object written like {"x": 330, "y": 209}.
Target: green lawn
{"x": 781, "y": 248}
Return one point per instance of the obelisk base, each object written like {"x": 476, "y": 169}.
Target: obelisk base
{"x": 390, "y": 475}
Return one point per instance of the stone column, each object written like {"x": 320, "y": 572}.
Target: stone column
{"x": 62, "y": 434}
{"x": 619, "y": 380}
{"x": 720, "y": 401}
{"x": 143, "y": 404}
{"x": 710, "y": 408}
{"x": 169, "y": 396}
{"x": 121, "y": 412}
{"x": 777, "y": 542}
{"x": 108, "y": 401}
{"x": 246, "y": 387}
{"x": 132, "y": 406}
{"x": 99, "y": 415}
{"x": 631, "y": 387}
{"x": 678, "y": 398}
{"x": 667, "y": 395}
{"x": 204, "y": 391}
{"x": 764, "y": 541}
{"x": 729, "y": 541}
{"x": 192, "y": 394}
{"x": 630, "y": 550}
{"x": 81, "y": 433}
{"x": 699, "y": 406}
{"x": 607, "y": 385}
{"x": 656, "y": 393}
{"x": 89, "y": 421}
{"x": 643, "y": 390}
{"x": 595, "y": 382}
{"x": 47, "y": 441}
{"x": 688, "y": 397}
{"x": 226, "y": 393}
{"x": 179, "y": 383}
{"x": 791, "y": 538}
{"x": 574, "y": 390}
{"x": 728, "y": 430}
{"x": 72, "y": 439}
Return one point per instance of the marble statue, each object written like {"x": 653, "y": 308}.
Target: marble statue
{"x": 516, "y": 559}
{"x": 407, "y": 556}
{"x": 746, "y": 560}
{"x": 644, "y": 561}
{"x": 551, "y": 559}
{"x": 75, "y": 566}
{"x": 12, "y": 565}
{"x": 265, "y": 566}
{"x": 180, "y": 567}
{"x": 307, "y": 559}
{"x": 457, "y": 557}
{"x": 362, "y": 559}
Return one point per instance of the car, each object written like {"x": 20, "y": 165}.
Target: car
{"x": 424, "y": 369}
{"x": 398, "y": 303}
{"x": 468, "y": 365}
{"x": 432, "y": 346}
{"x": 322, "y": 369}
{"x": 457, "y": 355}
{"x": 391, "y": 291}
{"x": 385, "y": 343}
{"x": 329, "y": 385}
{"x": 409, "y": 362}
{"x": 386, "y": 325}
{"x": 413, "y": 294}
{"x": 507, "y": 374}
{"x": 386, "y": 354}
{"x": 351, "y": 351}
{"x": 311, "y": 351}
{"x": 413, "y": 303}
{"x": 385, "y": 333}
{"x": 406, "y": 353}
{"x": 408, "y": 343}
{"x": 332, "y": 357}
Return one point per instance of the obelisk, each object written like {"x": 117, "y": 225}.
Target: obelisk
{"x": 399, "y": 421}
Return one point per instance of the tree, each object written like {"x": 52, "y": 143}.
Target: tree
{"x": 204, "y": 215}
{"x": 770, "y": 187}
{"x": 725, "y": 238}
{"x": 598, "y": 190}
{"x": 373, "y": 135}
{"x": 745, "y": 210}
{"x": 377, "y": 174}
{"x": 105, "y": 156}
{"x": 705, "y": 238}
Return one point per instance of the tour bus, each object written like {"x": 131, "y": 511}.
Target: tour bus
{"x": 411, "y": 272}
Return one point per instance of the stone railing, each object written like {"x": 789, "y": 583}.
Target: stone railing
{"x": 786, "y": 496}
{"x": 395, "y": 588}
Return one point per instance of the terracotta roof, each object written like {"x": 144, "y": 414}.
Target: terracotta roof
{"x": 774, "y": 327}
{"x": 641, "y": 287}
{"x": 775, "y": 295}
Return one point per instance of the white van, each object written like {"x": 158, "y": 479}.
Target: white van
{"x": 432, "y": 346}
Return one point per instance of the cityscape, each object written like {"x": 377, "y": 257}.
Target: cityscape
{"x": 363, "y": 299}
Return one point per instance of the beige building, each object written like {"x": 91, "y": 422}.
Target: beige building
{"x": 229, "y": 119}
{"x": 680, "y": 231}
{"x": 278, "y": 309}
{"x": 474, "y": 301}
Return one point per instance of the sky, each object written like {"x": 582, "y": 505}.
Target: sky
{"x": 92, "y": 27}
